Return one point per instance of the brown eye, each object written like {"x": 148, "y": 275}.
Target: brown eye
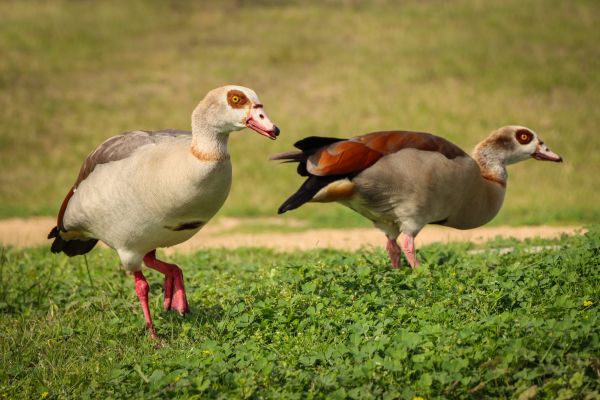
{"x": 524, "y": 136}
{"x": 236, "y": 99}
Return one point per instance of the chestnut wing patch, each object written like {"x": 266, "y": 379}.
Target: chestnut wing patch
{"x": 357, "y": 154}
{"x": 342, "y": 158}
{"x": 328, "y": 162}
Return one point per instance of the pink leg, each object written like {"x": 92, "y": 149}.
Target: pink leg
{"x": 141, "y": 288}
{"x": 175, "y": 298}
{"x": 394, "y": 252}
{"x": 408, "y": 246}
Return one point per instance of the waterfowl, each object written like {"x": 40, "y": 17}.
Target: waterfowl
{"x": 403, "y": 180}
{"x": 143, "y": 190}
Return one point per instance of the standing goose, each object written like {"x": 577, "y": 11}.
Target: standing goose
{"x": 403, "y": 180}
{"x": 142, "y": 190}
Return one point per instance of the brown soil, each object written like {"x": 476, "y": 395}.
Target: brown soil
{"x": 20, "y": 232}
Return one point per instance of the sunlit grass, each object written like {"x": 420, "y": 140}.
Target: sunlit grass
{"x": 317, "y": 324}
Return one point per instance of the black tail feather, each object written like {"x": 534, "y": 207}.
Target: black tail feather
{"x": 313, "y": 184}
{"x": 290, "y": 156}
{"x": 308, "y": 146}
{"x": 74, "y": 247}
{"x": 294, "y": 156}
{"x": 307, "y": 191}
{"x": 311, "y": 143}
{"x": 53, "y": 233}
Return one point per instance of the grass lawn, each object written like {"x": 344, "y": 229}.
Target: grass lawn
{"x": 74, "y": 73}
{"x": 310, "y": 325}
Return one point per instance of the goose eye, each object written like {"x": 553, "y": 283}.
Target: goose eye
{"x": 236, "y": 99}
{"x": 524, "y": 136}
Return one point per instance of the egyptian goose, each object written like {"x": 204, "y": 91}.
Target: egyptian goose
{"x": 142, "y": 190}
{"x": 403, "y": 181}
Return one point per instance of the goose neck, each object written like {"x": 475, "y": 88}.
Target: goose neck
{"x": 491, "y": 163}
{"x": 209, "y": 141}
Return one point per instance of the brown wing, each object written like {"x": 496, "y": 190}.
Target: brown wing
{"x": 122, "y": 146}
{"x": 357, "y": 154}
{"x": 114, "y": 149}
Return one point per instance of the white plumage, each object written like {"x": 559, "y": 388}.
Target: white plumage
{"x": 143, "y": 190}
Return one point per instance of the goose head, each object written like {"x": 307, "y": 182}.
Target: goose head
{"x": 232, "y": 108}
{"x": 517, "y": 143}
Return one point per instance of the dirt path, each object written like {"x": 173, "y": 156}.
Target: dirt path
{"x": 19, "y": 232}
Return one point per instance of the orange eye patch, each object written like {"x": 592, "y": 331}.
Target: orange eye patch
{"x": 236, "y": 99}
{"x": 524, "y": 136}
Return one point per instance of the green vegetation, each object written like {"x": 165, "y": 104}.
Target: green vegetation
{"x": 75, "y": 73}
{"x": 310, "y": 325}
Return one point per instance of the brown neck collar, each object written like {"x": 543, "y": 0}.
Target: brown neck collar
{"x": 492, "y": 178}
{"x": 209, "y": 156}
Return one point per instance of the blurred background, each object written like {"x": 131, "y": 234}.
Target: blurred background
{"x": 73, "y": 73}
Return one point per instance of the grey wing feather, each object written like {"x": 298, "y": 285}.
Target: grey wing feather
{"x": 122, "y": 146}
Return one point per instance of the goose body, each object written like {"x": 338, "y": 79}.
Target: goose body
{"x": 391, "y": 193}
{"x": 161, "y": 189}
{"x": 402, "y": 180}
{"x": 142, "y": 190}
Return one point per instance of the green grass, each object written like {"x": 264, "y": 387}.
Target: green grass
{"x": 75, "y": 73}
{"x": 309, "y": 325}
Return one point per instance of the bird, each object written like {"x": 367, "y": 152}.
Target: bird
{"x": 144, "y": 190}
{"x": 404, "y": 180}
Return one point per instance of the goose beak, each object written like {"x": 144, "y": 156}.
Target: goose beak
{"x": 543, "y": 153}
{"x": 258, "y": 121}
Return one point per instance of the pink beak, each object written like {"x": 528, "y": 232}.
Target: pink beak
{"x": 258, "y": 121}
{"x": 543, "y": 153}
